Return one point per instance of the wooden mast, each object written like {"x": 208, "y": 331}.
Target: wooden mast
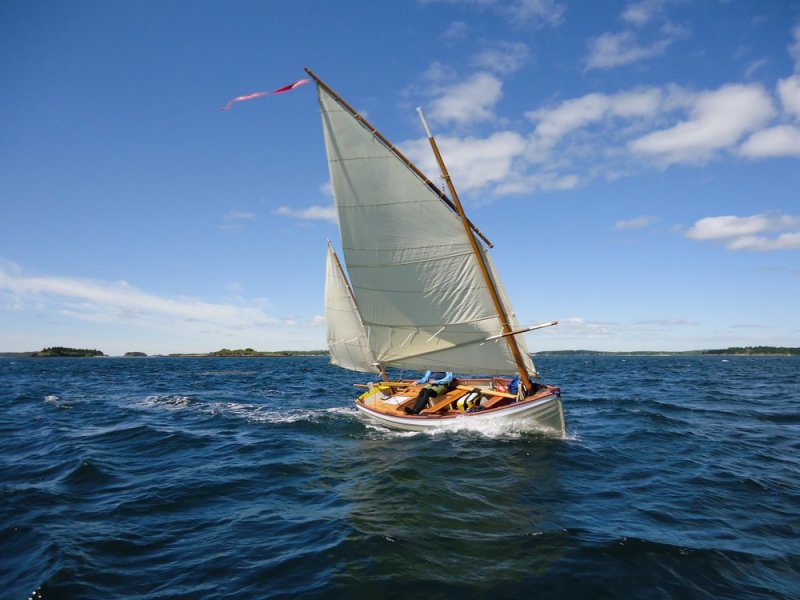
{"x": 395, "y": 151}
{"x": 479, "y": 257}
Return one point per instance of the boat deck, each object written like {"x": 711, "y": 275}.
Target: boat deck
{"x": 394, "y": 397}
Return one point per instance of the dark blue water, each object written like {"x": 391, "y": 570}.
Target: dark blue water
{"x": 255, "y": 478}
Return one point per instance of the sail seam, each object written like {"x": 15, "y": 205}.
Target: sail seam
{"x": 449, "y": 326}
{"x": 417, "y": 261}
{"x": 349, "y": 158}
{"x": 427, "y": 292}
{"x": 379, "y": 204}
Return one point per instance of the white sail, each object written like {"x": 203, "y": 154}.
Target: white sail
{"x": 347, "y": 338}
{"x": 413, "y": 273}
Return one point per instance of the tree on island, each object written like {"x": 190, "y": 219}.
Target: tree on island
{"x": 67, "y": 352}
{"x": 757, "y": 350}
{"x": 226, "y": 352}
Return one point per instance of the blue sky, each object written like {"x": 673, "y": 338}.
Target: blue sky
{"x": 636, "y": 164}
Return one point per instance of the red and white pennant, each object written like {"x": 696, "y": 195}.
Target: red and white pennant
{"x": 286, "y": 88}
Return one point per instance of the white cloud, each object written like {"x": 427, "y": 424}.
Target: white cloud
{"x": 596, "y": 135}
{"x": 546, "y": 12}
{"x": 438, "y": 74}
{"x": 717, "y": 120}
{"x": 473, "y": 163}
{"x": 603, "y": 135}
{"x": 637, "y": 223}
{"x": 785, "y": 241}
{"x": 554, "y": 123}
{"x": 794, "y": 47}
{"x": 746, "y": 233}
{"x": 585, "y": 329}
{"x": 713, "y": 228}
{"x": 616, "y": 49}
{"x": 638, "y": 103}
{"x": 468, "y": 102}
{"x": 783, "y": 140}
{"x": 503, "y": 58}
{"x": 753, "y": 66}
{"x": 236, "y": 219}
{"x": 707, "y": 123}
{"x": 456, "y": 31}
{"x": 117, "y": 317}
{"x": 641, "y": 13}
{"x": 120, "y": 302}
{"x": 584, "y": 133}
{"x": 666, "y": 323}
{"x": 789, "y": 93}
{"x": 544, "y": 181}
{"x": 312, "y": 213}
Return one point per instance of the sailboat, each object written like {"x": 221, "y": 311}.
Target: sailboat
{"x": 418, "y": 291}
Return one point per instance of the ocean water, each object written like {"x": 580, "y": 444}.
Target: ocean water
{"x": 256, "y": 478}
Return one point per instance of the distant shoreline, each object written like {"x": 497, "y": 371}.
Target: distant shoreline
{"x": 281, "y": 354}
{"x": 733, "y": 351}
{"x": 286, "y": 354}
{"x": 248, "y": 353}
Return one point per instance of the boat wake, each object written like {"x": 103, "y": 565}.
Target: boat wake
{"x": 272, "y": 415}
{"x": 248, "y": 411}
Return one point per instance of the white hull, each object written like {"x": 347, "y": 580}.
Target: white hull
{"x": 546, "y": 412}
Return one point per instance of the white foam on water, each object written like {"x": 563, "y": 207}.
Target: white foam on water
{"x": 345, "y": 411}
{"x": 310, "y": 415}
{"x": 57, "y": 401}
{"x": 494, "y": 428}
{"x": 257, "y": 413}
{"x": 237, "y": 409}
{"x": 171, "y": 402}
{"x": 231, "y": 372}
{"x": 387, "y": 432}
{"x": 248, "y": 411}
{"x": 280, "y": 417}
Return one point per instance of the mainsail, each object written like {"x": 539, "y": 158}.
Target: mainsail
{"x": 347, "y": 337}
{"x": 414, "y": 276}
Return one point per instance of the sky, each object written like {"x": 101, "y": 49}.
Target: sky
{"x": 635, "y": 164}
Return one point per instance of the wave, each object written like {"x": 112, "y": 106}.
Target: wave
{"x": 221, "y": 479}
